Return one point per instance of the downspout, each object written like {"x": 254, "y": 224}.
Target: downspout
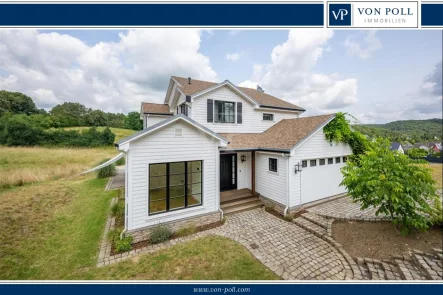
{"x": 288, "y": 166}
{"x": 126, "y": 192}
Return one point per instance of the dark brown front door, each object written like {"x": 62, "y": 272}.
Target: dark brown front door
{"x": 228, "y": 172}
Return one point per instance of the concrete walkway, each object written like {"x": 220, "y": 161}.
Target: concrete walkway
{"x": 118, "y": 180}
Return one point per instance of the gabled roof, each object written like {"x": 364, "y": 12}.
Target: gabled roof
{"x": 263, "y": 99}
{"x": 168, "y": 121}
{"x": 284, "y": 135}
{"x": 395, "y": 146}
{"x": 155, "y": 108}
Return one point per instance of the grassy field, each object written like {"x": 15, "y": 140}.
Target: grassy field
{"x": 119, "y": 132}
{"x": 437, "y": 171}
{"x": 22, "y": 165}
{"x": 52, "y": 230}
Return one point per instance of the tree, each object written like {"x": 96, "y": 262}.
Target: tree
{"x": 417, "y": 153}
{"x": 69, "y": 114}
{"x": 133, "y": 121}
{"x": 19, "y": 130}
{"x": 393, "y": 183}
{"x": 16, "y": 103}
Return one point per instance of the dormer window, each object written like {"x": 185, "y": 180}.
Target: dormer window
{"x": 224, "y": 112}
{"x": 183, "y": 109}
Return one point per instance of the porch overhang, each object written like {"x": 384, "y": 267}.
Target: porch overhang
{"x": 239, "y": 150}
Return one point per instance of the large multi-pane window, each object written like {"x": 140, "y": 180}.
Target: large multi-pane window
{"x": 175, "y": 186}
{"x": 224, "y": 112}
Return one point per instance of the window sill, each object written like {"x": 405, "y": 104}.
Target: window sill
{"x": 273, "y": 173}
{"x": 159, "y": 216}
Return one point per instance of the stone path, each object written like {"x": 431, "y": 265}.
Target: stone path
{"x": 290, "y": 251}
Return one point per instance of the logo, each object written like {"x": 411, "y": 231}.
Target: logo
{"x": 340, "y": 14}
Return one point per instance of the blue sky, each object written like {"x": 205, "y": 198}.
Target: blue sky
{"x": 378, "y": 76}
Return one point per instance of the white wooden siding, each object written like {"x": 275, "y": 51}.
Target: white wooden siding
{"x": 271, "y": 185}
{"x": 244, "y": 171}
{"x": 149, "y": 120}
{"x": 314, "y": 183}
{"x": 160, "y": 147}
{"x": 252, "y": 121}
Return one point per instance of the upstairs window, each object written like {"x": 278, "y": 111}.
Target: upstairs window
{"x": 268, "y": 117}
{"x": 272, "y": 164}
{"x": 224, "y": 112}
{"x": 183, "y": 108}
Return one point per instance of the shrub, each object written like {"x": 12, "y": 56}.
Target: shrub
{"x": 159, "y": 234}
{"x": 123, "y": 245}
{"x": 186, "y": 231}
{"x": 120, "y": 162}
{"x": 118, "y": 209}
{"x": 107, "y": 171}
{"x": 288, "y": 217}
{"x": 393, "y": 183}
{"x": 114, "y": 234}
{"x": 436, "y": 217}
{"x": 269, "y": 207}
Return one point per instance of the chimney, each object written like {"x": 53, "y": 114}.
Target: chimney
{"x": 259, "y": 89}
{"x": 189, "y": 80}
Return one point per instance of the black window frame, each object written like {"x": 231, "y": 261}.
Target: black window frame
{"x": 168, "y": 186}
{"x": 330, "y": 161}
{"x": 337, "y": 160}
{"x": 222, "y": 119}
{"x": 268, "y": 114}
{"x": 273, "y": 167}
{"x": 322, "y": 162}
{"x": 312, "y": 161}
{"x": 304, "y": 163}
{"x": 183, "y": 109}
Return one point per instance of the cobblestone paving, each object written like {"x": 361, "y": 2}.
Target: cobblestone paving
{"x": 288, "y": 250}
{"x": 344, "y": 208}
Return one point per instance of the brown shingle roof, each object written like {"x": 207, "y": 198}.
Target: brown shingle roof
{"x": 155, "y": 108}
{"x": 283, "y": 135}
{"x": 262, "y": 98}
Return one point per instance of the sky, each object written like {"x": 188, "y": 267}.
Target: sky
{"x": 377, "y": 76}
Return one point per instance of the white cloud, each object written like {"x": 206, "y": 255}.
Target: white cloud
{"x": 112, "y": 76}
{"x": 290, "y": 74}
{"x": 235, "y": 56}
{"x": 364, "y": 45}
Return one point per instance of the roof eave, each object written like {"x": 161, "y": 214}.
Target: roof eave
{"x": 282, "y": 108}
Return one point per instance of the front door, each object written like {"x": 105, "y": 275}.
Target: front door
{"x": 228, "y": 172}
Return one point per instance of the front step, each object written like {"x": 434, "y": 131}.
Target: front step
{"x": 430, "y": 265}
{"x": 408, "y": 271}
{"x": 310, "y": 226}
{"x": 317, "y": 219}
{"x": 243, "y": 205}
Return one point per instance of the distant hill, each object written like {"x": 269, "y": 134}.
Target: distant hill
{"x": 406, "y": 130}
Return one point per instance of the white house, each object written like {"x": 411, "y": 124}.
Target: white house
{"x": 215, "y": 148}
{"x": 396, "y": 146}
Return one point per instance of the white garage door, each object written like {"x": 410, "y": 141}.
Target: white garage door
{"x": 321, "y": 180}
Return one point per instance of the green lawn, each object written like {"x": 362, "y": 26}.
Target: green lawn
{"x": 51, "y": 230}
{"x": 437, "y": 170}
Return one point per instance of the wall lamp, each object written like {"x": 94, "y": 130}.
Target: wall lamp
{"x": 243, "y": 158}
{"x": 297, "y": 168}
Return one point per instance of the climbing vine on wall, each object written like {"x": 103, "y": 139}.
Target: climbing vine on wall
{"x": 339, "y": 130}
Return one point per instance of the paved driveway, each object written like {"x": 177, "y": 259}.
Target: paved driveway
{"x": 288, "y": 250}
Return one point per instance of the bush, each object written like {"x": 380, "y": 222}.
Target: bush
{"x": 118, "y": 209}
{"x": 107, "y": 171}
{"x": 159, "y": 234}
{"x": 393, "y": 183}
{"x": 186, "y": 231}
{"x": 436, "y": 217}
{"x": 114, "y": 235}
{"x": 288, "y": 217}
{"x": 123, "y": 245}
{"x": 120, "y": 162}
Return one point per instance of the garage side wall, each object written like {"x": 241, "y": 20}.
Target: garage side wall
{"x": 320, "y": 181}
{"x": 161, "y": 147}
{"x": 271, "y": 185}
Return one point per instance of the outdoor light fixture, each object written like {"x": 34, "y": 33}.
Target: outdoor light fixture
{"x": 243, "y": 158}
{"x": 297, "y": 168}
